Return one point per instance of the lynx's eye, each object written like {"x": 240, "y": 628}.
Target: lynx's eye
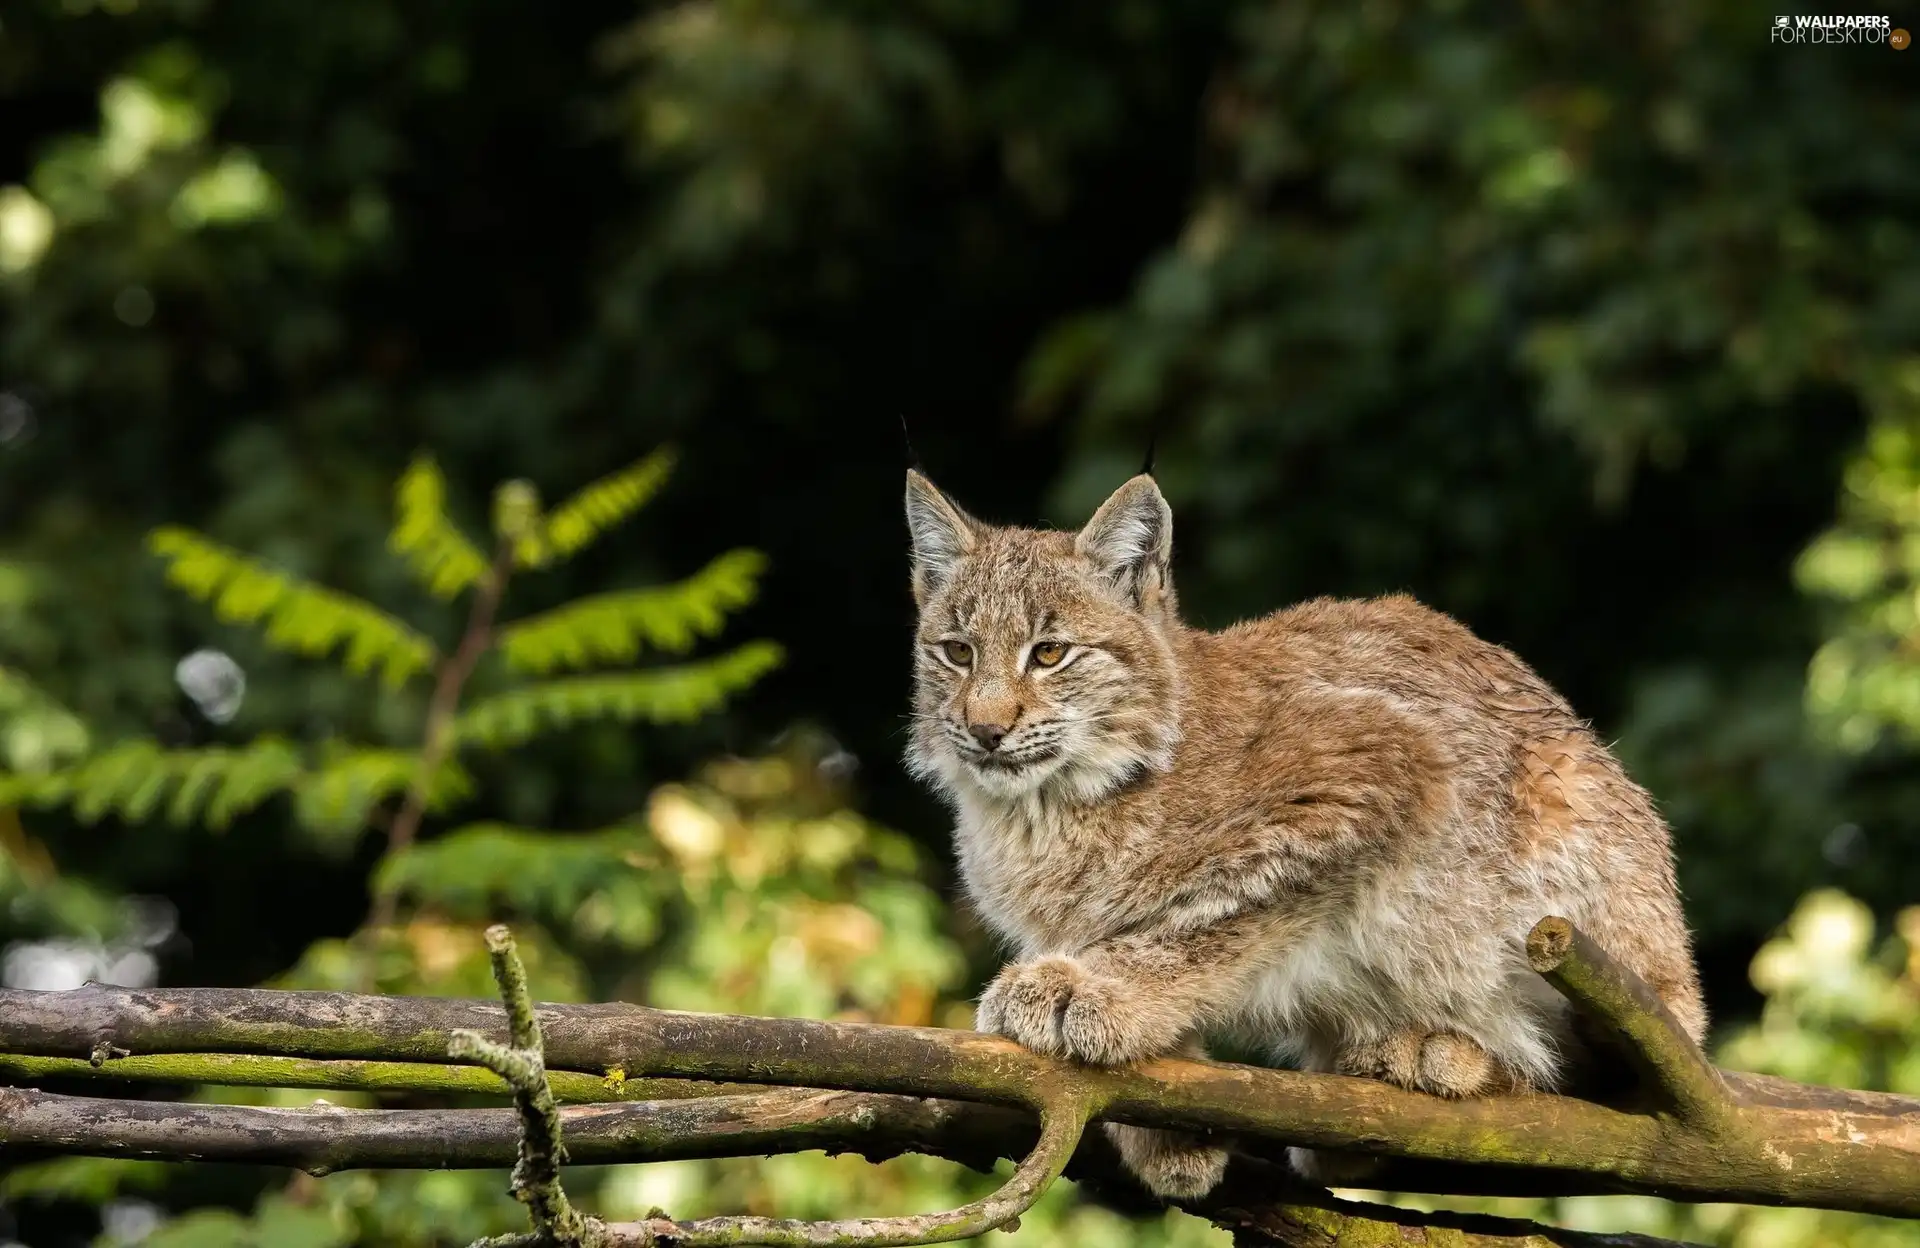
{"x": 958, "y": 653}
{"x": 1048, "y": 653}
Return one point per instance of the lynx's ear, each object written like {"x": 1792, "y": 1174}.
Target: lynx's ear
{"x": 941, "y": 534}
{"x": 1130, "y": 539}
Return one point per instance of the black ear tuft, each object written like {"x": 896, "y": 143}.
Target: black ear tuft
{"x": 913, "y": 458}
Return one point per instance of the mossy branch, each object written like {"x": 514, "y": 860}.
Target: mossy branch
{"x": 536, "y": 1172}
{"x": 1261, "y": 1204}
{"x": 1699, "y": 1134}
{"x": 521, "y": 1063}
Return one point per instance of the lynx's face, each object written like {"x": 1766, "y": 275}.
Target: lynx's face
{"x": 1042, "y": 659}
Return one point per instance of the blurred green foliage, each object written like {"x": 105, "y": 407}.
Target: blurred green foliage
{"x": 338, "y": 787}
{"x": 1592, "y": 325}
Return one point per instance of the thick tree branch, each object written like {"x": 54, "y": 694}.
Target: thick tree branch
{"x": 1796, "y": 1144}
{"x": 1260, "y": 1200}
{"x": 1262, "y": 1204}
{"x": 1709, "y": 1136}
{"x": 330, "y": 1138}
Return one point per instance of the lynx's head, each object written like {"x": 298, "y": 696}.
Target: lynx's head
{"x": 1043, "y": 661}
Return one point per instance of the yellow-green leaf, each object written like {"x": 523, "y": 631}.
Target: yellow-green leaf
{"x": 614, "y": 628}
{"x": 306, "y": 619}
{"x": 575, "y": 523}
{"x": 437, "y": 552}
{"x": 676, "y": 694}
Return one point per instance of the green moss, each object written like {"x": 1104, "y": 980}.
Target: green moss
{"x": 248, "y": 1070}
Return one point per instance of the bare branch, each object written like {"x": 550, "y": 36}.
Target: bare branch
{"x": 244, "y": 1070}
{"x": 327, "y": 1139}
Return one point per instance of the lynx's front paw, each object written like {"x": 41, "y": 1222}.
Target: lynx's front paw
{"x": 1059, "y": 1007}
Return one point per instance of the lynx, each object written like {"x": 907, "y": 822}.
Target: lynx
{"x": 1324, "y": 833}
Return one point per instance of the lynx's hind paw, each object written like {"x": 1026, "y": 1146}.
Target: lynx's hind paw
{"x": 1172, "y": 1164}
{"x": 1453, "y": 1066}
{"x": 1334, "y": 1169}
{"x": 1442, "y": 1063}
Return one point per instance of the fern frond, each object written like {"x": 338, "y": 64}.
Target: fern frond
{"x": 613, "y": 628}
{"x": 572, "y": 525}
{"x": 336, "y": 798}
{"x": 437, "y": 552}
{"x": 663, "y": 695}
{"x": 36, "y": 732}
{"x": 131, "y": 780}
{"x": 302, "y": 618}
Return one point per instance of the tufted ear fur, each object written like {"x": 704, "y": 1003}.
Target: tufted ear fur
{"x": 1130, "y": 540}
{"x": 941, "y": 532}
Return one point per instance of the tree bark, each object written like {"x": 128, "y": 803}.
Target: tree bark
{"x": 1262, "y": 1205}
{"x": 1686, "y": 1131}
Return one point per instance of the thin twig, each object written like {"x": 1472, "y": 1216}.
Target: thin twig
{"x": 1060, "y": 1129}
{"x": 536, "y": 1171}
{"x": 437, "y": 738}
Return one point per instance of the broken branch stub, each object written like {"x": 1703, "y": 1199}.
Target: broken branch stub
{"x": 1636, "y": 1022}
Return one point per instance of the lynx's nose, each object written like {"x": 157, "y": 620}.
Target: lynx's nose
{"x": 989, "y": 735}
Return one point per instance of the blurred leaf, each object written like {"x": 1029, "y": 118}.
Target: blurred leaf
{"x": 337, "y": 798}
{"x": 305, "y": 619}
{"x": 36, "y": 732}
{"x": 94, "y": 1180}
{"x": 131, "y": 780}
{"x": 436, "y": 550}
{"x": 606, "y": 884}
{"x": 665, "y": 695}
{"x": 575, "y": 523}
{"x": 613, "y": 628}
{"x": 277, "y": 1222}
